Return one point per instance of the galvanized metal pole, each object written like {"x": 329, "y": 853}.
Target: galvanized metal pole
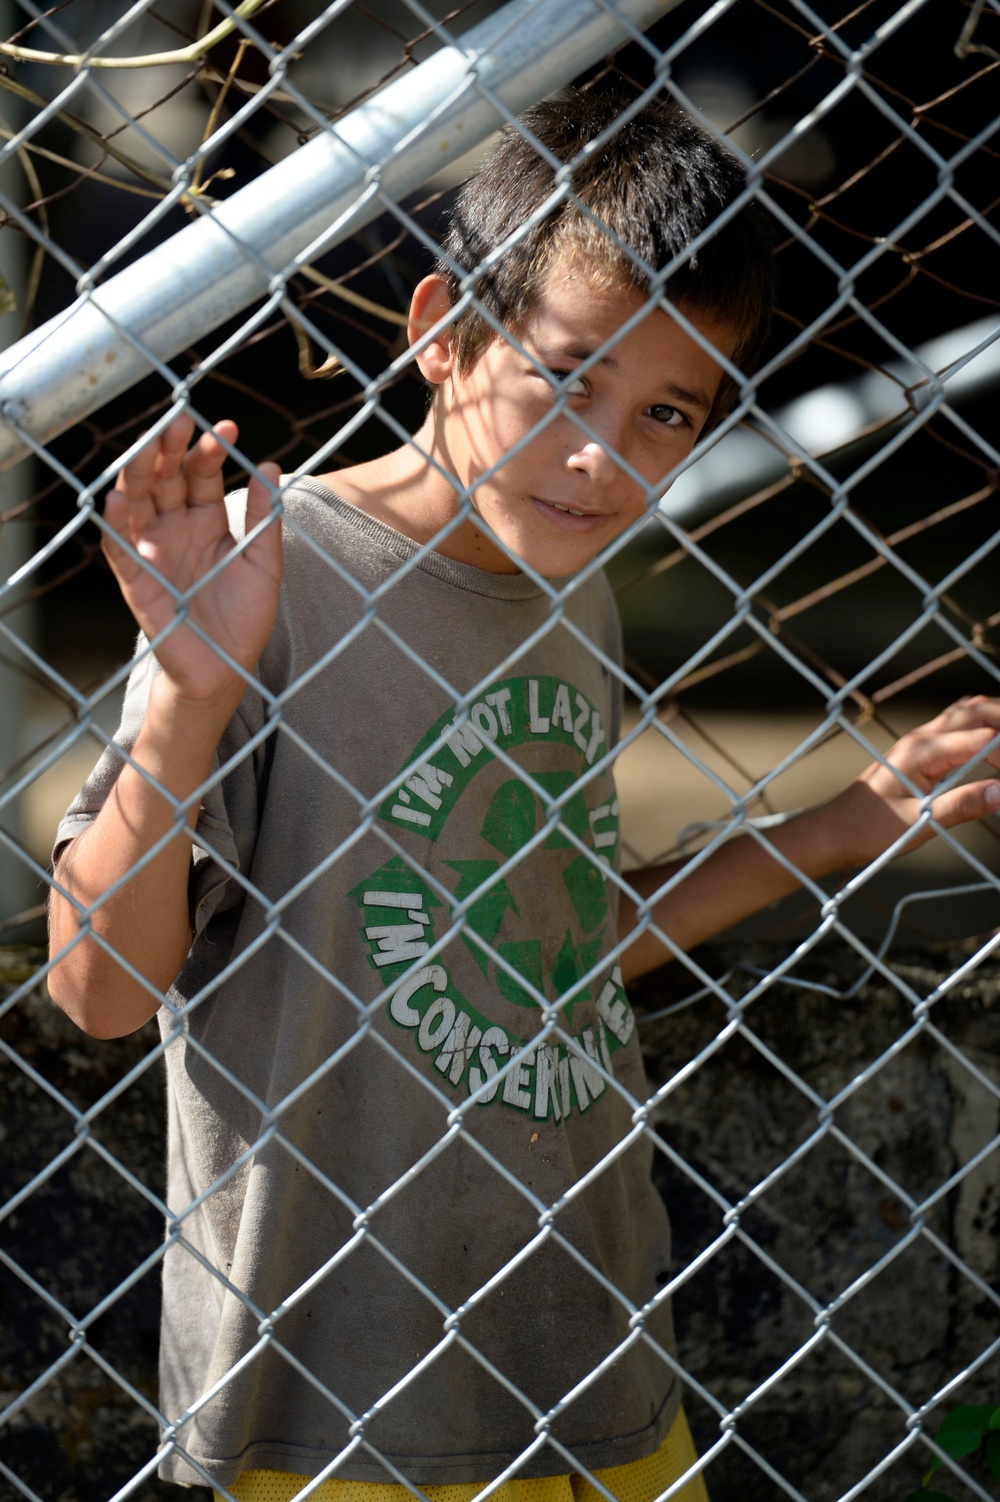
{"x": 223, "y": 262}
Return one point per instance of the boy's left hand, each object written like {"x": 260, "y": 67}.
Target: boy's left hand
{"x": 878, "y": 810}
{"x": 879, "y": 807}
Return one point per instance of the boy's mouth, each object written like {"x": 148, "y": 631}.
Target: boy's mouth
{"x": 569, "y": 518}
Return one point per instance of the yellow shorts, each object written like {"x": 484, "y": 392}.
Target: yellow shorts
{"x": 639, "y": 1481}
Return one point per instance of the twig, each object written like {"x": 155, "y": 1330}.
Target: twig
{"x": 93, "y": 173}
{"x": 18, "y": 920}
{"x": 190, "y": 54}
{"x": 356, "y": 300}
{"x": 216, "y": 110}
{"x": 331, "y": 365}
{"x": 38, "y": 256}
{"x": 965, "y": 45}
{"x": 81, "y": 127}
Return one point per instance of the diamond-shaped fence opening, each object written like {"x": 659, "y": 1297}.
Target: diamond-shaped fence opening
{"x": 386, "y": 1163}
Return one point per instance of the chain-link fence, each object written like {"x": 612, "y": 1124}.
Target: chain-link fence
{"x": 224, "y": 211}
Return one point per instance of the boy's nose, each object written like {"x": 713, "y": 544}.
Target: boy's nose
{"x": 597, "y": 459}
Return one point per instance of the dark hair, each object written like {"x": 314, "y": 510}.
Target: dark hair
{"x": 638, "y": 200}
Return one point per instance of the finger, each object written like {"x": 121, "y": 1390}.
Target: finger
{"x": 124, "y": 518}
{"x": 963, "y": 805}
{"x": 261, "y": 486}
{"x": 926, "y": 758}
{"x": 118, "y": 516}
{"x": 203, "y": 464}
{"x": 115, "y": 517}
{"x": 978, "y": 709}
{"x": 155, "y": 475}
{"x": 260, "y": 500}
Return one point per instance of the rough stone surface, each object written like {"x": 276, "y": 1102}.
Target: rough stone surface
{"x": 78, "y": 1236}
{"x": 837, "y": 1220}
{"x": 826, "y": 1196}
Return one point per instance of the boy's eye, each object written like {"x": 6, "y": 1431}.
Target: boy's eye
{"x": 668, "y": 416}
{"x": 573, "y": 385}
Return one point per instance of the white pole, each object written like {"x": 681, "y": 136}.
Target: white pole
{"x": 223, "y": 262}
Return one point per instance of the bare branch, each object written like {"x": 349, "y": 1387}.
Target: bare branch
{"x": 190, "y": 54}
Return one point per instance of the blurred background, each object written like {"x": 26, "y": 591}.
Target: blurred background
{"x": 872, "y": 567}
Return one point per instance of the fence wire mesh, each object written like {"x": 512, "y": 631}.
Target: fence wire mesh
{"x": 819, "y": 576}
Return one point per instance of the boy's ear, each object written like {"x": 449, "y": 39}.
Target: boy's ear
{"x": 431, "y": 301}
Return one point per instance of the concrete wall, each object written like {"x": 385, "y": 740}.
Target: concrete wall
{"x": 827, "y": 1221}
{"x": 830, "y": 1218}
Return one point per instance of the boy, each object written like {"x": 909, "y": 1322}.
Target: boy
{"x": 414, "y": 1236}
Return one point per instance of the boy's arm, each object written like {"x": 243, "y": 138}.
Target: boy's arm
{"x": 146, "y": 920}
{"x": 169, "y": 505}
{"x": 741, "y": 877}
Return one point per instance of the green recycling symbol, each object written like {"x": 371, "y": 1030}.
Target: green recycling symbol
{"x": 514, "y": 816}
{"x": 546, "y": 836}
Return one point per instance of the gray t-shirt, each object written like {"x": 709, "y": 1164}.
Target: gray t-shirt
{"x": 410, "y": 841}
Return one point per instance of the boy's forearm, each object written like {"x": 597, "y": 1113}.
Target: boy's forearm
{"x": 146, "y": 920}
{"x": 895, "y": 804}
{"x": 739, "y": 879}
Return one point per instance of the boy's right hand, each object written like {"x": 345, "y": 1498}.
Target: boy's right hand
{"x": 128, "y": 874}
{"x": 168, "y": 503}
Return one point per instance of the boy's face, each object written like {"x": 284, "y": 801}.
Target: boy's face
{"x": 565, "y": 493}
